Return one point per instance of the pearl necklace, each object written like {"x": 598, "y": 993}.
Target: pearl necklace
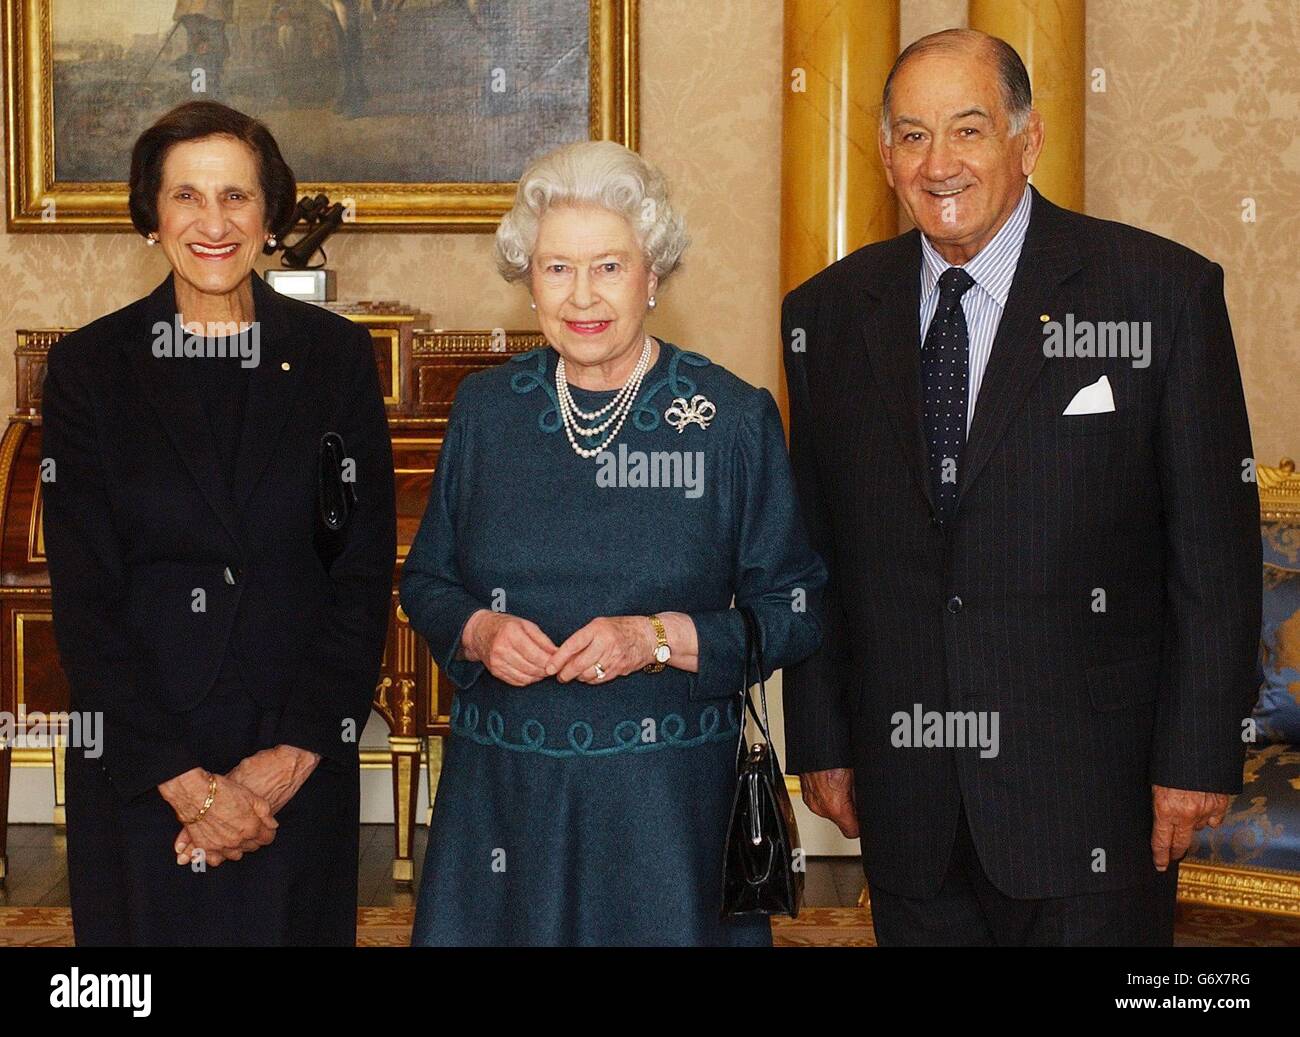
{"x": 618, "y": 408}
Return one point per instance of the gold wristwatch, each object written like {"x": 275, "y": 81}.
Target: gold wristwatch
{"x": 662, "y": 652}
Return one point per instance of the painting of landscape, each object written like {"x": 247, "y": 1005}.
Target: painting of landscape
{"x": 356, "y": 91}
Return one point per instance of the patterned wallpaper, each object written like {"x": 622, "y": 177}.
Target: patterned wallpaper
{"x": 1201, "y": 114}
{"x": 1201, "y": 111}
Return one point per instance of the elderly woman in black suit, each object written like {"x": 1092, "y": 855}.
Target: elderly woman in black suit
{"x": 230, "y": 643}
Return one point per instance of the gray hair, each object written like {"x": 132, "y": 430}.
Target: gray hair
{"x": 1017, "y": 97}
{"x": 599, "y": 173}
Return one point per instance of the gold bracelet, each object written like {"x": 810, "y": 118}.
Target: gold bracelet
{"x": 207, "y": 803}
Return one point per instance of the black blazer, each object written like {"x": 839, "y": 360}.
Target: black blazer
{"x": 995, "y": 612}
{"x": 138, "y": 516}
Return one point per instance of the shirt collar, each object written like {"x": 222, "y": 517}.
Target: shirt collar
{"x": 993, "y": 267}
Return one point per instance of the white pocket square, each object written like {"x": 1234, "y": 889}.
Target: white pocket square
{"x": 1092, "y": 399}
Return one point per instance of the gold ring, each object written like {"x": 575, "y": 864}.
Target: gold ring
{"x": 600, "y": 672}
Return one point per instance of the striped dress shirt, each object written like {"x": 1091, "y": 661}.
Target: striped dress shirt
{"x": 992, "y": 268}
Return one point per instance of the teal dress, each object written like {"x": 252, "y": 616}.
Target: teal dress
{"x": 580, "y": 814}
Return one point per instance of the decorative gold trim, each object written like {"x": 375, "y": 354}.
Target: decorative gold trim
{"x": 378, "y": 759}
{"x": 32, "y": 756}
{"x": 1251, "y": 889}
{"x": 401, "y": 818}
{"x": 19, "y": 679}
{"x": 429, "y": 441}
{"x": 35, "y": 522}
{"x": 400, "y": 424}
{"x": 1279, "y": 491}
{"x": 394, "y": 394}
{"x": 440, "y": 342}
{"x": 613, "y": 114}
{"x": 372, "y": 316}
{"x": 404, "y": 743}
{"x": 405, "y": 716}
{"x": 40, "y": 340}
{"x": 380, "y": 701}
{"x": 405, "y": 649}
{"x": 9, "y": 445}
{"x": 60, "y": 754}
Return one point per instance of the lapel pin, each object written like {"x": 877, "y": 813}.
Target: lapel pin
{"x": 1044, "y": 317}
{"x": 284, "y": 366}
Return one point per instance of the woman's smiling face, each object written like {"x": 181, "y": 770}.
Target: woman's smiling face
{"x": 211, "y": 213}
{"x": 591, "y": 284}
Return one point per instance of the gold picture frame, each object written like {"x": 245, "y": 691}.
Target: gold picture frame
{"x": 39, "y": 202}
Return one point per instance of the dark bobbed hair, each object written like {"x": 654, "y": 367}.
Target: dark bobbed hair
{"x": 196, "y": 120}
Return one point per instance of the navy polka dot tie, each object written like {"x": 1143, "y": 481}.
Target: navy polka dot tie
{"x": 944, "y": 387}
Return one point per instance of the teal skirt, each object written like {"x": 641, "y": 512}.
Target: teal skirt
{"x": 591, "y": 834}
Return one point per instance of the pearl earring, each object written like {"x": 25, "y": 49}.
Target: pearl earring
{"x": 533, "y": 305}
{"x": 652, "y": 302}
{"x": 150, "y": 240}
{"x": 271, "y": 241}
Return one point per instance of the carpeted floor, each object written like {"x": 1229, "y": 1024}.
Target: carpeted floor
{"x": 816, "y": 927}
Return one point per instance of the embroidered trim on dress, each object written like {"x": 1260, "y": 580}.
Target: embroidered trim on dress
{"x": 627, "y": 733}
{"x": 644, "y": 417}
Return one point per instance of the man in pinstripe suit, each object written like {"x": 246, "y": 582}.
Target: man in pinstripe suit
{"x": 1047, "y": 536}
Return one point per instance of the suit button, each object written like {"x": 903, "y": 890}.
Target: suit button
{"x": 954, "y": 604}
{"x": 231, "y": 575}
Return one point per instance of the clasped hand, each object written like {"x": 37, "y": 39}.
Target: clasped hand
{"x": 242, "y": 816}
{"x": 518, "y": 652}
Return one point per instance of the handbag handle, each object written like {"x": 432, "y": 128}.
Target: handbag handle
{"x": 754, "y": 650}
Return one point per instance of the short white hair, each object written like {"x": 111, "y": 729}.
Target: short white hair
{"x": 599, "y": 173}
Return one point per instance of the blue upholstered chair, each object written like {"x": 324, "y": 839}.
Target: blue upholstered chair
{"x": 1252, "y": 861}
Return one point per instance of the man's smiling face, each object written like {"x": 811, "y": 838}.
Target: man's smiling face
{"x": 952, "y": 160}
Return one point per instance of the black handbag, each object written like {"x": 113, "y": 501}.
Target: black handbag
{"x": 336, "y": 498}
{"x": 760, "y": 875}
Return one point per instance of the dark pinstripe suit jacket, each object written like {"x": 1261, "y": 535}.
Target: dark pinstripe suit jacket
{"x": 997, "y": 611}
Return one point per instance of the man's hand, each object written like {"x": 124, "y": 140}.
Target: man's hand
{"x": 829, "y": 794}
{"x": 514, "y": 650}
{"x": 1177, "y": 814}
{"x": 238, "y": 821}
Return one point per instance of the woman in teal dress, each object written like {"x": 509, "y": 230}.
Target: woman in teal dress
{"x": 597, "y": 506}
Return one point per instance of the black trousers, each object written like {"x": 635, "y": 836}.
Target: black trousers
{"x": 127, "y": 889}
{"x": 969, "y": 911}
